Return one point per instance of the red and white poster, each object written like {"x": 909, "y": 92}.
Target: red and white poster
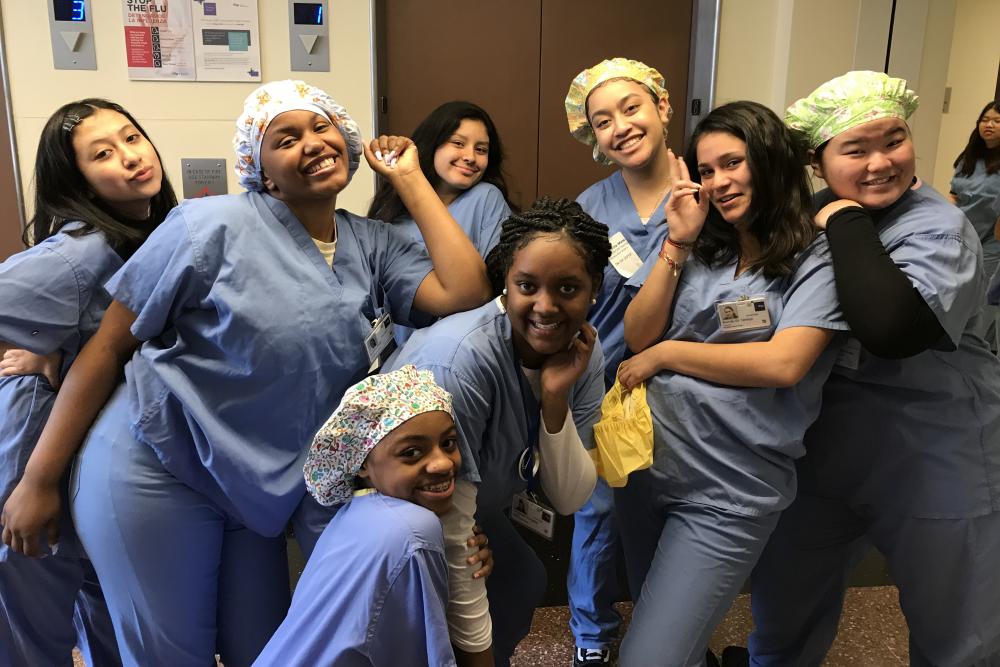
{"x": 159, "y": 40}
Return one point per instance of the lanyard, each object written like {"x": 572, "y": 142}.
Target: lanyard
{"x": 529, "y": 461}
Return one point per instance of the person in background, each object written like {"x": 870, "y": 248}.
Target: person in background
{"x": 975, "y": 188}
{"x": 620, "y": 108}
{"x": 100, "y": 190}
{"x": 239, "y": 324}
{"x": 905, "y": 455}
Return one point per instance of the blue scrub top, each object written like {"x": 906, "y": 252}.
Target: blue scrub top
{"x": 250, "y": 340}
{"x": 931, "y": 422}
{"x": 374, "y": 592}
{"x": 734, "y": 447}
{"x": 609, "y": 202}
{"x": 978, "y": 196}
{"x": 51, "y": 298}
{"x": 479, "y": 211}
{"x": 471, "y": 354}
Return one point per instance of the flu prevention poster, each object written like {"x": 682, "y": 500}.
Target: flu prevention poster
{"x": 159, "y": 41}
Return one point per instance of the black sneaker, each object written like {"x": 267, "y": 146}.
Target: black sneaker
{"x": 735, "y": 656}
{"x": 591, "y": 656}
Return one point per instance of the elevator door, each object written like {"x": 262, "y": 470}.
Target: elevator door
{"x": 516, "y": 60}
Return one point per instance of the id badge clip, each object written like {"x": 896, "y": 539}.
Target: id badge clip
{"x": 381, "y": 337}
{"x": 746, "y": 314}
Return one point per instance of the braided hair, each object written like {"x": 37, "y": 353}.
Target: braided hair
{"x": 547, "y": 216}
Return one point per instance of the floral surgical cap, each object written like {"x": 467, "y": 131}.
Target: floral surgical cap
{"x": 277, "y": 97}
{"x": 588, "y": 79}
{"x": 369, "y": 411}
{"x": 848, "y": 101}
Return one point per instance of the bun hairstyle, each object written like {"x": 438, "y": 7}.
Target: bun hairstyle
{"x": 561, "y": 217}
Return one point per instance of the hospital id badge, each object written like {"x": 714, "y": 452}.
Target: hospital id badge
{"x": 380, "y": 338}
{"x": 529, "y": 512}
{"x": 746, "y": 314}
{"x": 625, "y": 260}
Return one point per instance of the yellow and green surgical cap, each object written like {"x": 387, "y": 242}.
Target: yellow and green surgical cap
{"x": 585, "y": 82}
{"x": 848, "y": 101}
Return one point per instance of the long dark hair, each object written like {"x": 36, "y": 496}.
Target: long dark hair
{"x": 433, "y": 131}
{"x": 780, "y": 208}
{"x": 63, "y": 195}
{"x": 977, "y": 149}
{"x": 548, "y": 216}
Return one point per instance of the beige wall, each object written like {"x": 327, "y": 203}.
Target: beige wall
{"x": 972, "y": 76}
{"x": 775, "y": 51}
{"x": 185, "y": 119}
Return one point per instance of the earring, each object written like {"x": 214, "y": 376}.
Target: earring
{"x": 593, "y": 302}
{"x": 505, "y": 291}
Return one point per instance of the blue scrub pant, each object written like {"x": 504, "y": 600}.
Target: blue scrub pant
{"x": 592, "y": 583}
{"x": 182, "y": 580}
{"x": 49, "y": 605}
{"x": 688, "y": 561}
{"x": 947, "y": 572}
{"x": 514, "y": 589}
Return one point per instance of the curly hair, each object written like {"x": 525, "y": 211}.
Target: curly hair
{"x": 547, "y": 216}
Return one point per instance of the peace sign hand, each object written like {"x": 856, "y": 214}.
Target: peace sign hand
{"x": 685, "y": 213}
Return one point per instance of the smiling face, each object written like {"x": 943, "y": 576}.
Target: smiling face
{"x": 417, "y": 461}
{"x": 548, "y": 296}
{"x": 303, "y": 157}
{"x": 118, "y": 162}
{"x": 872, "y": 164}
{"x": 989, "y": 127}
{"x": 725, "y": 174}
{"x": 461, "y": 160}
{"x": 627, "y": 122}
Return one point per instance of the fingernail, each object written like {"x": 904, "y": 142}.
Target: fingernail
{"x": 391, "y": 155}
{"x": 393, "y": 164}
{"x": 378, "y": 155}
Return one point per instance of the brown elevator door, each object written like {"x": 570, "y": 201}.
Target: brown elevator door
{"x": 434, "y": 51}
{"x": 516, "y": 59}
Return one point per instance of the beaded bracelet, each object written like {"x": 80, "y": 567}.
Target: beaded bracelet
{"x": 678, "y": 244}
{"x": 675, "y": 267}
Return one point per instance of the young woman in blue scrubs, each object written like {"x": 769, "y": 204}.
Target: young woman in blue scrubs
{"x": 905, "y": 454}
{"x": 462, "y": 158}
{"x": 730, "y": 397}
{"x": 621, "y": 109}
{"x": 375, "y": 590}
{"x": 99, "y": 191}
{"x": 975, "y": 188}
{"x": 239, "y": 325}
{"x": 526, "y": 374}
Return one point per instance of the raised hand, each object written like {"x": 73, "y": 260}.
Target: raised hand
{"x": 561, "y": 371}
{"x": 685, "y": 213}
{"x": 392, "y": 156}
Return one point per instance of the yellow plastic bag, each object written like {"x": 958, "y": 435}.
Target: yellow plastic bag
{"x": 624, "y": 435}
